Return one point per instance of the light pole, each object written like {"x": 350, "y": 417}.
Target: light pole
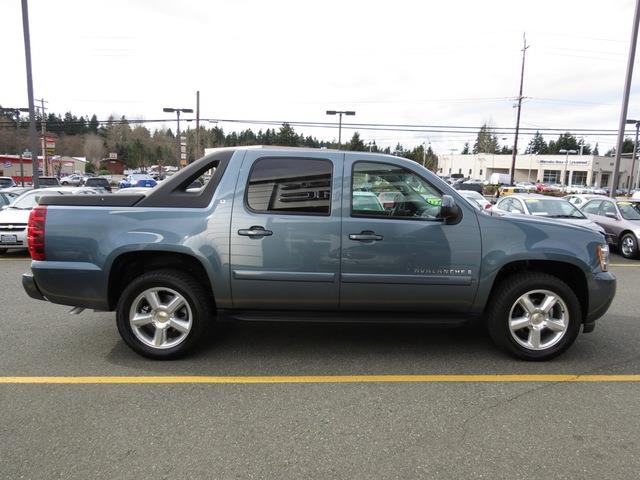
{"x": 340, "y": 113}
{"x": 566, "y": 162}
{"x": 16, "y": 112}
{"x": 424, "y": 151}
{"x": 178, "y": 110}
{"x": 633, "y": 158}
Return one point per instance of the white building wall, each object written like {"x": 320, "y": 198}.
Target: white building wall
{"x": 532, "y": 167}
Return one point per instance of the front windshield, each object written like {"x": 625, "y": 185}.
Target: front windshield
{"x": 552, "y": 208}
{"x": 629, "y": 210}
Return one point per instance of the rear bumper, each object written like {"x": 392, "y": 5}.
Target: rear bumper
{"x": 31, "y": 287}
{"x": 602, "y": 290}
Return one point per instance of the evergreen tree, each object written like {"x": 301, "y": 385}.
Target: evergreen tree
{"x": 355, "y": 143}
{"x": 486, "y": 141}
{"x": 93, "y": 124}
{"x": 465, "y": 149}
{"x": 537, "y": 145}
{"x": 595, "y": 150}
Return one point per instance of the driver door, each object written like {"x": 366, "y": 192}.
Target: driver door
{"x": 401, "y": 256}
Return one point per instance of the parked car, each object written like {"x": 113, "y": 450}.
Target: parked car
{"x": 14, "y": 218}
{"x": 48, "y": 182}
{"x": 476, "y": 198}
{"x": 274, "y": 235}
{"x": 7, "y": 197}
{"x": 98, "y": 183}
{"x": 476, "y": 187}
{"x": 621, "y": 219}
{"x": 137, "y": 180}
{"x": 527, "y": 186}
{"x": 74, "y": 180}
{"x": 6, "y": 182}
{"x": 580, "y": 199}
{"x": 548, "y": 207}
{"x": 366, "y": 201}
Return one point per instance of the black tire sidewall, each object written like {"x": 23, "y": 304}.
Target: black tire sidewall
{"x": 189, "y": 288}
{"x": 506, "y": 294}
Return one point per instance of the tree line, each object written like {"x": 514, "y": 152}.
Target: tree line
{"x": 139, "y": 147}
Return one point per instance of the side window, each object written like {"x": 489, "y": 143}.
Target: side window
{"x": 607, "y": 207}
{"x": 290, "y": 186}
{"x": 517, "y": 206}
{"x": 385, "y": 190}
{"x": 505, "y": 204}
{"x": 592, "y": 207}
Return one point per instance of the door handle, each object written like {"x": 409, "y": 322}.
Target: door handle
{"x": 365, "y": 236}
{"x": 255, "y": 231}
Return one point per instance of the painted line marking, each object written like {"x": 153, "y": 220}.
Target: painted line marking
{"x": 319, "y": 379}
{"x": 623, "y": 265}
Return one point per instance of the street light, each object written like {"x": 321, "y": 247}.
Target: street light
{"x": 340, "y": 113}
{"x": 566, "y": 162}
{"x": 16, "y": 112}
{"x": 633, "y": 157}
{"x": 178, "y": 110}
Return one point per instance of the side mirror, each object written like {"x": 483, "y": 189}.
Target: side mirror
{"x": 449, "y": 210}
{"x": 611, "y": 215}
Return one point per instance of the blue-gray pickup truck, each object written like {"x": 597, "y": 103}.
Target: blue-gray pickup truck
{"x": 308, "y": 235}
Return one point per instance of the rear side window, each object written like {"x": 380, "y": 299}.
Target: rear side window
{"x": 290, "y": 186}
{"x": 592, "y": 207}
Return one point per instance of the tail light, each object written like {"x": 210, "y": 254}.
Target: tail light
{"x": 35, "y": 232}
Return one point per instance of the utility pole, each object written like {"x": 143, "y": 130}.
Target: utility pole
{"x": 43, "y": 142}
{"x": 197, "y": 155}
{"x": 33, "y": 139}
{"x": 625, "y": 97}
{"x": 520, "y": 97}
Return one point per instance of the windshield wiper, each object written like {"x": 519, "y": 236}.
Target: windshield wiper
{"x": 565, "y": 216}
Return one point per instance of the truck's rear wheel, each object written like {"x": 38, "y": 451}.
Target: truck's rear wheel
{"x": 163, "y": 314}
{"x": 534, "y": 316}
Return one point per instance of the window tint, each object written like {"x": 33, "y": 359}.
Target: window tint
{"x": 290, "y": 185}
{"x": 629, "y": 210}
{"x": 399, "y": 192}
{"x": 592, "y": 207}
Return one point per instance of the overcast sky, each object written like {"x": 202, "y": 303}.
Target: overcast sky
{"x": 399, "y": 62}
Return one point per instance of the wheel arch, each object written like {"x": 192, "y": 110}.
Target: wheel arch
{"x": 129, "y": 265}
{"x": 569, "y": 273}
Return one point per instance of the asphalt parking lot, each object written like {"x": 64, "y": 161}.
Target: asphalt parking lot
{"x": 346, "y": 427}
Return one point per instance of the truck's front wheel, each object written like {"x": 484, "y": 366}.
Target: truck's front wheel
{"x": 534, "y": 316}
{"x": 163, "y": 314}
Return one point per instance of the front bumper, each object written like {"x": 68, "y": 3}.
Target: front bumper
{"x": 31, "y": 287}
{"x": 602, "y": 290}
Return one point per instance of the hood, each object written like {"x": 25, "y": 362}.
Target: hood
{"x": 578, "y": 224}
{"x": 12, "y": 215}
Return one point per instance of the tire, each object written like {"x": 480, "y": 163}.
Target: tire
{"x": 65, "y": 184}
{"x": 164, "y": 332}
{"x": 538, "y": 335}
{"x": 628, "y": 246}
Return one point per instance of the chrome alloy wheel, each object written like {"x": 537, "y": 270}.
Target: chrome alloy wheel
{"x": 628, "y": 246}
{"x": 160, "y": 318}
{"x": 538, "y": 320}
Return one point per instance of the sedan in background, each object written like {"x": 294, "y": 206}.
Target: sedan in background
{"x": 620, "y": 219}
{"x": 15, "y": 217}
{"x": 72, "y": 180}
{"x": 475, "y": 198}
{"x": 547, "y": 207}
{"x": 137, "y": 180}
{"x": 99, "y": 183}
{"x": 6, "y": 182}
{"x": 579, "y": 200}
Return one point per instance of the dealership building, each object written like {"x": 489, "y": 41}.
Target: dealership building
{"x": 590, "y": 170}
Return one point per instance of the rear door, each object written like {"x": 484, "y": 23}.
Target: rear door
{"x": 285, "y": 231}
{"x": 403, "y": 257}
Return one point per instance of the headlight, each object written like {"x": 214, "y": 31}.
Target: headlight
{"x": 603, "y": 257}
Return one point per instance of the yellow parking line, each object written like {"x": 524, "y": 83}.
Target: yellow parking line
{"x": 319, "y": 379}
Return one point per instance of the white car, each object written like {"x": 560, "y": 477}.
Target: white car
{"x": 475, "y": 198}
{"x": 73, "y": 180}
{"x": 547, "y": 207}
{"x": 15, "y": 217}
